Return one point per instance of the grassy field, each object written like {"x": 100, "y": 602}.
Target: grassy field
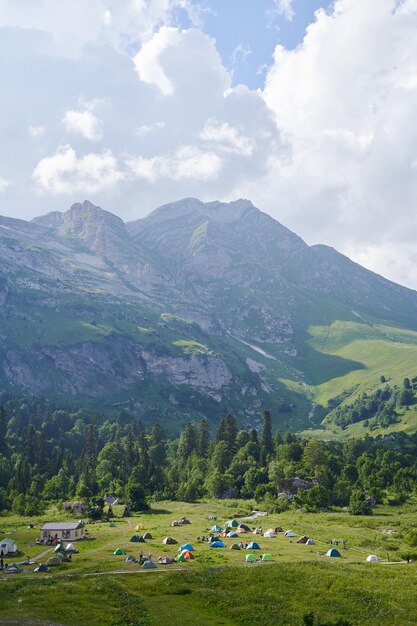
{"x": 218, "y": 586}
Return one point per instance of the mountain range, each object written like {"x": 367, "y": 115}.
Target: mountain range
{"x": 196, "y": 309}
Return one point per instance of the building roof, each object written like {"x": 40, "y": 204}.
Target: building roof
{"x": 62, "y": 526}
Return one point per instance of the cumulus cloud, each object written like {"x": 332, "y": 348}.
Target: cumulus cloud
{"x": 66, "y": 173}
{"x": 187, "y": 162}
{"x": 345, "y": 101}
{"x": 226, "y": 137}
{"x": 85, "y": 123}
{"x": 285, "y": 8}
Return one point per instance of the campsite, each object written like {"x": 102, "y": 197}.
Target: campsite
{"x": 290, "y": 577}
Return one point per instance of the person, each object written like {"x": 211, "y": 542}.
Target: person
{"x": 141, "y": 558}
{"x": 1, "y": 562}
{"x": 150, "y": 556}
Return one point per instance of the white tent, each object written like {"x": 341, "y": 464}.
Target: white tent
{"x": 372, "y": 558}
{"x": 7, "y": 546}
{"x": 289, "y": 533}
{"x": 310, "y": 542}
{"x": 269, "y": 534}
{"x": 70, "y": 548}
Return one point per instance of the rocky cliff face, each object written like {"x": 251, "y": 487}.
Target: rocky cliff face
{"x": 197, "y": 307}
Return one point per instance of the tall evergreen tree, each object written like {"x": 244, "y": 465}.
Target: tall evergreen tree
{"x": 204, "y": 439}
{"x": 267, "y": 442}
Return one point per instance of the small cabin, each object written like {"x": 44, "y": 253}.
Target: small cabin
{"x": 62, "y": 531}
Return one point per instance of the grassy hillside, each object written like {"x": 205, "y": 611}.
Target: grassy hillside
{"x": 218, "y": 586}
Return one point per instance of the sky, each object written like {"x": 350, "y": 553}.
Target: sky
{"x": 306, "y": 107}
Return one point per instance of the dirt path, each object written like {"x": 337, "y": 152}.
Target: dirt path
{"x": 40, "y": 556}
{"x": 21, "y": 621}
{"x": 129, "y": 523}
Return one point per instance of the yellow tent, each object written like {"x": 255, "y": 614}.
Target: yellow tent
{"x": 139, "y": 527}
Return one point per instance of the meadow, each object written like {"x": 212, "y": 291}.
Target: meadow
{"x": 300, "y": 586}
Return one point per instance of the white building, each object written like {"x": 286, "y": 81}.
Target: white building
{"x": 67, "y": 531}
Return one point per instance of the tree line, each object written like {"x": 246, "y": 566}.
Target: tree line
{"x": 51, "y": 455}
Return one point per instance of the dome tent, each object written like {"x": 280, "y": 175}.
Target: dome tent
{"x": 333, "y": 552}
{"x": 372, "y": 558}
{"x": 53, "y": 561}
{"x": 119, "y": 551}
{"x": 187, "y": 555}
{"x": 169, "y": 541}
{"x": 245, "y": 528}
{"x": 137, "y": 539}
{"x": 186, "y": 546}
{"x": 71, "y": 548}
{"x": 289, "y": 533}
{"x": 41, "y": 568}
{"x": 13, "y": 568}
{"x": 180, "y": 559}
{"x": 269, "y": 534}
{"x": 232, "y": 534}
{"x": 235, "y": 546}
{"x": 253, "y": 546}
{"x": 310, "y": 542}
{"x": 148, "y": 565}
{"x": 250, "y": 558}
{"x": 231, "y": 523}
{"x": 215, "y": 529}
{"x": 147, "y": 536}
{"x": 216, "y": 544}
{"x": 302, "y": 539}
{"x": 139, "y": 527}
{"x": 8, "y": 546}
{"x": 266, "y": 557}
{"x": 130, "y": 559}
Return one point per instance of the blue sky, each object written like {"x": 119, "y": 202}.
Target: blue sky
{"x": 247, "y": 32}
{"x": 135, "y": 103}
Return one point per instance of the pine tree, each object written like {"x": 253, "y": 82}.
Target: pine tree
{"x": 3, "y": 431}
{"x": 266, "y": 436}
{"x": 204, "y": 439}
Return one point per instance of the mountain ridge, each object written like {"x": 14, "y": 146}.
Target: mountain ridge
{"x": 144, "y": 313}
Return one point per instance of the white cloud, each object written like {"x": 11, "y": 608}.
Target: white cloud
{"x": 85, "y": 123}
{"x": 240, "y": 53}
{"x": 285, "y": 8}
{"x": 4, "y": 184}
{"x": 145, "y": 129}
{"x": 345, "y": 101}
{"x": 226, "y": 138}
{"x": 36, "y": 131}
{"x": 65, "y": 173}
{"x": 147, "y": 61}
{"x": 188, "y": 162}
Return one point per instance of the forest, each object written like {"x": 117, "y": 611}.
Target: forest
{"x": 53, "y": 455}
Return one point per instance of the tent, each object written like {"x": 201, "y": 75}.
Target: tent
{"x": 119, "y": 551}
{"x": 62, "y": 556}
{"x": 187, "y": 555}
{"x": 289, "y": 533}
{"x": 130, "y": 559}
{"x": 41, "y": 568}
{"x": 231, "y": 523}
{"x": 147, "y": 536}
{"x": 60, "y": 548}
{"x": 250, "y": 558}
{"x": 215, "y": 529}
{"x": 137, "y": 539}
{"x": 269, "y": 534}
{"x": 139, "y": 527}
{"x": 244, "y": 527}
{"x": 186, "y": 546}
{"x": 148, "y": 565}
{"x": 180, "y": 559}
{"x": 235, "y": 546}
{"x": 53, "y": 560}
{"x": 278, "y": 529}
{"x": 372, "y": 558}
{"x": 8, "y": 546}
{"x": 166, "y": 560}
{"x": 310, "y": 542}
{"x": 266, "y": 557}
{"x": 13, "y": 568}
{"x": 253, "y": 546}
{"x": 302, "y": 539}
{"x": 232, "y": 534}
{"x": 70, "y": 548}
{"x": 112, "y": 525}
{"x": 216, "y": 544}
{"x": 184, "y": 520}
{"x": 126, "y": 512}
{"x": 257, "y": 531}
{"x": 241, "y": 531}
{"x": 332, "y": 552}
{"x": 169, "y": 541}
{"x": 175, "y": 523}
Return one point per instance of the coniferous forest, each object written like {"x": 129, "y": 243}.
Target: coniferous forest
{"x": 49, "y": 454}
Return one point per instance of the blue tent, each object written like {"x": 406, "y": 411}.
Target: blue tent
{"x": 333, "y": 552}
{"x": 253, "y": 546}
{"x": 232, "y": 534}
{"x": 217, "y": 544}
{"x": 215, "y": 529}
{"x": 186, "y": 546}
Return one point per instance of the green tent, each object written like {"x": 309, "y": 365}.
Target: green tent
{"x": 235, "y": 546}
{"x": 53, "y": 560}
{"x": 267, "y": 557}
{"x": 13, "y": 568}
{"x": 60, "y": 548}
{"x": 180, "y": 559}
{"x": 232, "y": 523}
{"x": 119, "y": 551}
{"x": 250, "y": 558}
{"x": 112, "y": 525}
{"x": 149, "y": 565}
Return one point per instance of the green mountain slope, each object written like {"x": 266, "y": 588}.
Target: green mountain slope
{"x": 195, "y": 310}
